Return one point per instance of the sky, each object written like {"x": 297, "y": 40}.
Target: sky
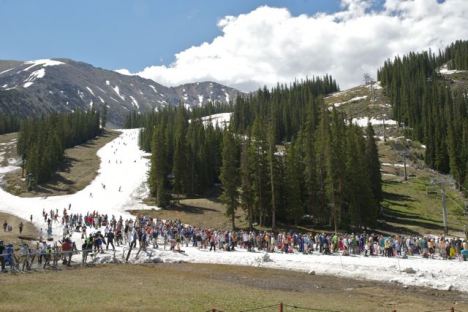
{"x": 241, "y": 43}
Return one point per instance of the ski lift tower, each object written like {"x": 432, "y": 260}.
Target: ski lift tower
{"x": 442, "y": 182}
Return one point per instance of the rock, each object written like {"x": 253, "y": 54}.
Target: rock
{"x": 409, "y": 271}
{"x": 264, "y": 258}
{"x": 312, "y": 272}
{"x": 450, "y": 288}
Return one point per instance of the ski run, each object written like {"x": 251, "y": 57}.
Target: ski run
{"x": 120, "y": 186}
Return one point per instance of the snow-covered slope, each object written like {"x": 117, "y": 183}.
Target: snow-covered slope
{"x": 123, "y": 166}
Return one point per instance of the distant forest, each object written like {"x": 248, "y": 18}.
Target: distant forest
{"x": 42, "y": 141}
{"x": 283, "y": 157}
{"x": 9, "y": 124}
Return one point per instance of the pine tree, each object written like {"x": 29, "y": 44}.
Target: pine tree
{"x": 229, "y": 175}
{"x": 271, "y": 162}
{"x": 104, "y": 116}
{"x": 180, "y": 164}
{"x": 247, "y": 189}
{"x": 324, "y": 188}
{"x": 293, "y": 184}
{"x": 373, "y": 165}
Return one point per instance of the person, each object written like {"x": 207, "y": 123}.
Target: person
{"x": 20, "y": 227}
{"x": 10, "y": 257}
{"x": 31, "y": 218}
{"x": 67, "y": 248}
{"x": 110, "y": 240}
{"x": 24, "y": 257}
{"x": 2, "y": 259}
{"x": 87, "y": 248}
{"x": 5, "y": 224}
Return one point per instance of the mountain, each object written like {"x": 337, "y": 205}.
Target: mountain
{"x": 61, "y": 85}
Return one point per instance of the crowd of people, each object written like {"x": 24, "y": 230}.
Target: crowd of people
{"x": 100, "y": 232}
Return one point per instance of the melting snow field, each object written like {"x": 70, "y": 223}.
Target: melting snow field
{"x": 124, "y": 165}
{"x": 221, "y": 119}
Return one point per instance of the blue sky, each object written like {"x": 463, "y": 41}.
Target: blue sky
{"x": 128, "y": 34}
{"x": 264, "y": 42}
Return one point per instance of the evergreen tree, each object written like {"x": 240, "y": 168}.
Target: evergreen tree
{"x": 293, "y": 184}
{"x": 373, "y": 165}
{"x": 180, "y": 165}
{"x": 246, "y": 173}
{"x": 230, "y": 176}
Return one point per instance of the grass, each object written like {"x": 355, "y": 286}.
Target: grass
{"x": 7, "y": 147}
{"x": 201, "y": 287}
{"x": 204, "y": 212}
{"x": 78, "y": 170}
{"x": 408, "y": 208}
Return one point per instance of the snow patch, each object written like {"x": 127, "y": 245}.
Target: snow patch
{"x": 117, "y": 91}
{"x": 134, "y": 102}
{"x": 6, "y": 71}
{"x": 354, "y": 99}
{"x": 40, "y": 73}
{"x": 43, "y": 63}
{"x": 221, "y": 119}
{"x": 90, "y": 90}
{"x": 362, "y": 122}
{"x": 445, "y": 71}
{"x": 154, "y": 89}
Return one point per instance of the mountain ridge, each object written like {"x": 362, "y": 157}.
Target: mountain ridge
{"x": 29, "y": 88}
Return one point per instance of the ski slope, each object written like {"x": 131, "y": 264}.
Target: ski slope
{"x": 124, "y": 166}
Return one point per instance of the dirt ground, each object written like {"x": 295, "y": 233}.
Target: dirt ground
{"x": 204, "y": 212}
{"x": 12, "y": 237}
{"x": 78, "y": 170}
{"x": 202, "y": 287}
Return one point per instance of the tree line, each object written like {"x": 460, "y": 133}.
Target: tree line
{"x": 136, "y": 120}
{"x": 284, "y": 158}
{"x": 432, "y": 111}
{"x": 42, "y": 141}
{"x": 9, "y": 123}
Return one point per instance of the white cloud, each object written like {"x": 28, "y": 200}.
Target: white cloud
{"x": 269, "y": 45}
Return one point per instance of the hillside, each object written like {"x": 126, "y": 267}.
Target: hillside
{"x": 38, "y": 87}
{"x": 412, "y": 206}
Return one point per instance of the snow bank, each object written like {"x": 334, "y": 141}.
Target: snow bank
{"x": 362, "y": 122}
{"x": 445, "y": 71}
{"x": 414, "y": 271}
